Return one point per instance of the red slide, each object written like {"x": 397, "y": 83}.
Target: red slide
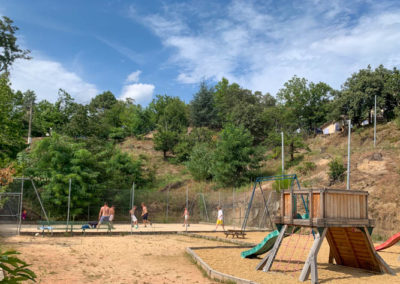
{"x": 391, "y": 241}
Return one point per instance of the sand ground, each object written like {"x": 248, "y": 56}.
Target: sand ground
{"x": 110, "y": 259}
{"x": 290, "y": 261}
{"x": 162, "y": 259}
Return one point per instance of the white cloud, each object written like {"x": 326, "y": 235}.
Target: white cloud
{"x": 46, "y": 77}
{"x": 260, "y": 46}
{"x": 133, "y": 77}
{"x": 141, "y": 93}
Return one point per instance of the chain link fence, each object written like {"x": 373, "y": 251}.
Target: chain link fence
{"x": 165, "y": 206}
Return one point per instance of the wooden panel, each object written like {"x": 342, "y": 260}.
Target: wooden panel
{"x": 316, "y": 209}
{"x": 288, "y": 205}
{"x": 352, "y": 248}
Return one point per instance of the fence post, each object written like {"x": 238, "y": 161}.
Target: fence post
{"x": 187, "y": 204}
{"x": 20, "y": 206}
{"x": 167, "y": 204}
{"x": 69, "y": 203}
{"x": 40, "y": 200}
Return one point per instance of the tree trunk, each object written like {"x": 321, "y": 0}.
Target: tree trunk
{"x": 291, "y": 151}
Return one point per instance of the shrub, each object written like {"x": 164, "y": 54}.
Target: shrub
{"x": 15, "y": 270}
{"x": 199, "y": 161}
{"x": 306, "y": 168}
{"x": 336, "y": 170}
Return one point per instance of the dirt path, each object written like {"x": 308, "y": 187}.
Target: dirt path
{"x": 129, "y": 259}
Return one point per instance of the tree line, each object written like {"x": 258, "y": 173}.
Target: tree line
{"x": 222, "y": 134}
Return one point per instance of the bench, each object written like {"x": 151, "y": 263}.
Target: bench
{"x": 235, "y": 233}
{"x": 51, "y": 226}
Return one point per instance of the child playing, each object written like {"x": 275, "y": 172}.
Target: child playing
{"x": 133, "y": 217}
{"x": 220, "y": 219}
{"x": 186, "y": 215}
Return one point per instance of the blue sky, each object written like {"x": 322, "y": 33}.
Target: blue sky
{"x": 141, "y": 48}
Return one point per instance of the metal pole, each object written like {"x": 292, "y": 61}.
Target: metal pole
{"x": 283, "y": 154}
{"x": 375, "y": 124}
{"x": 187, "y": 206}
{"x": 69, "y": 203}
{"x": 30, "y": 125}
{"x": 348, "y": 156}
{"x": 40, "y": 201}
{"x": 167, "y": 203}
{"x": 20, "y": 207}
{"x": 133, "y": 195}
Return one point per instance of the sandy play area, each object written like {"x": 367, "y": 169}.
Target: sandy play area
{"x": 229, "y": 261}
{"x": 110, "y": 259}
{"x": 162, "y": 259}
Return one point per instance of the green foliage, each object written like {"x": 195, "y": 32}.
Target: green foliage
{"x": 336, "y": 170}
{"x": 307, "y": 102}
{"x": 16, "y": 270}
{"x": 183, "y": 148}
{"x": 165, "y": 140}
{"x": 10, "y": 51}
{"x": 357, "y": 96}
{"x": 92, "y": 166}
{"x": 240, "y": 107}
{"x": 11, "y": 125}
{"x": 279, "y": 185}
{"x": 199, "y": 161}
{"x": 306, "y": 168}
{"x": 202, "y": 108}
{"x": 170, "y": 115}
{"x": 234, "y": 156}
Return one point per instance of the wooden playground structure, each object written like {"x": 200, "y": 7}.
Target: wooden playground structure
{"x": 339, "y": 215}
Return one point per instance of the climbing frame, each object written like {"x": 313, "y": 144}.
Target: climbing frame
{"x": 339, "y": 215}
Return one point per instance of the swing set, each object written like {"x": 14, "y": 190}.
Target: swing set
{"x": 290, "y": 179}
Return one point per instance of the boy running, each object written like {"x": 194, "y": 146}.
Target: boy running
{"x": 220, "y": 219}
{"x": 145, "y": 215}
{"x": 186, "y": 215}
{"x": 133, "y": 217}
{"x": 112, "y": 214}
{"x": 104, "y": 214}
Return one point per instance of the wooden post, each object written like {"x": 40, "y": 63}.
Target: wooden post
{"x": 291, "y": 206}
{"x": 311, "y": 263}
{"x": 384, "y": 266}
{"x": 310, "y": 207}
{"x": 282, "y": 207}
{"x": 269, "y": 259}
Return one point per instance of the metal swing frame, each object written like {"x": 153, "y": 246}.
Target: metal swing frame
{"x": 293, "y": 180}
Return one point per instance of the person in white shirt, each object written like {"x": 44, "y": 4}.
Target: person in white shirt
{"x": 220, "y": 219}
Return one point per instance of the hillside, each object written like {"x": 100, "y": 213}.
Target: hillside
{"x": 374, "y": 170}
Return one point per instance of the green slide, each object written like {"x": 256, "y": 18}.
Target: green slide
{"x": 262, "y": 247}
{"x": 268, "y": 242}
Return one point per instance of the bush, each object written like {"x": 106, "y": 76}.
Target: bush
{"x": 397, "y": 115}
{"x": 15, "y": 270}
{"x": 336, "y": 170}
{"x": 199, "y": 162}
{"x": 306, "y": 168}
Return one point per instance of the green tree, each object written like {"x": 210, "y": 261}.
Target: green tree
{"x": 307, "y": 101}
{"x": 165, "y": 140}
{"x": 94, "y": 168}
{"x": 357, "y": 98}
{"x": 170, "y": 114}
{"x": 202, "y": 108}
{"x": 240, "y": 107}
{"x": 11, "y": 123}
{"x": 199, "y": 161}
{"x": 10, "y": 51}
{"x": 187, "y": 141}
{"x": 234, "y": 156}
